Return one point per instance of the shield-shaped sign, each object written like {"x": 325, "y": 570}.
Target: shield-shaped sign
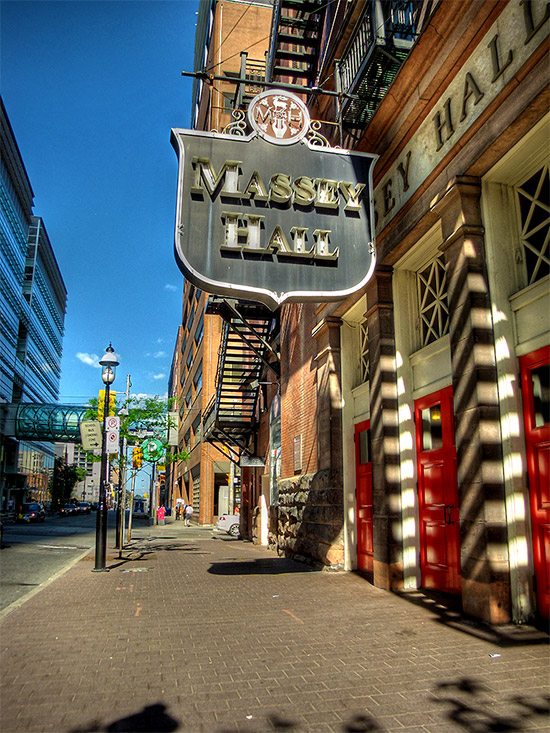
{"x": 273, "y": 221}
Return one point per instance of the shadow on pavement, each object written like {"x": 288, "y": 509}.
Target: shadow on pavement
{"x": 469, "y": 705}
{"x": 268, "y": 566}
{"x": 468, "y": 709}
{"x": 448, "y": 611}
{"x": 152, "y": 719}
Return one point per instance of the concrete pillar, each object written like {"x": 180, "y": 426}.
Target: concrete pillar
{"x": 386, "y": 486}
{"x": 483, "y": 534}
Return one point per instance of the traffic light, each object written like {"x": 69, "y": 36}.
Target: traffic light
{"x": 101, "y": 405}
{"x": 137, "y": 458}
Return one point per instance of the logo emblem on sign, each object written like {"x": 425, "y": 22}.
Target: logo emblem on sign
{"x": 279, "y": 117}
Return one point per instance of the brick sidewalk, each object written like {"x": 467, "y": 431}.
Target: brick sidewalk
{"x": 197, "y": 632}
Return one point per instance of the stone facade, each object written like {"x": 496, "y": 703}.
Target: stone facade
{"x": 310, "y": 520}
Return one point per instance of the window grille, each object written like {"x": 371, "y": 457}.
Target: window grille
{"x": 364, "y": 367}
{"x": 432, "y": 301}
{"x": 534, "y": 207}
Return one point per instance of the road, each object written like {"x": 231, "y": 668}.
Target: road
{"x": 32, "y": 554}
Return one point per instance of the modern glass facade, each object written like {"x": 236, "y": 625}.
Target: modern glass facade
{"x": 32, "y": 310}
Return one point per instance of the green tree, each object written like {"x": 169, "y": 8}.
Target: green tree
{"x": 140, "y": 415}
{"x": 63, "y": 481}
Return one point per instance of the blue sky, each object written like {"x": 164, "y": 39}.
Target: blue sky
{"x": 92, "y": 90}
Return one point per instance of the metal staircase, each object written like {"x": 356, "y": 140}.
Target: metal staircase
{"x": 295, "y": 40}
{"x": 230, "y": 417}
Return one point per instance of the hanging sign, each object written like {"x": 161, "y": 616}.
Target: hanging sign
{"x": 272, "y": 215}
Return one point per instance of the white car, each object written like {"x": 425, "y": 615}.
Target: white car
{"x": 229, "y": 523}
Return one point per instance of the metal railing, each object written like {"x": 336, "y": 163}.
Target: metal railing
{"x": 393, "y": 25}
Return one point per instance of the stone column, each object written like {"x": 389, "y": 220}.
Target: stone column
{"x": 483, "y": 534}
{"x": 329, "y": 395}
{"x": 386, "y": 487}
{"x": 326, "y": 494}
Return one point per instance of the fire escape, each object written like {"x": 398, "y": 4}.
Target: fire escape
{"x": 245, "y": 350}
{"x": 378, "y": 46}
{"x": 295, "y": 40}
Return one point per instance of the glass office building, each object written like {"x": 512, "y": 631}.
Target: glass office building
{"x": 32, "y": 310}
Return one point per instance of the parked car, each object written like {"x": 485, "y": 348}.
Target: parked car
{"x": 31, "y": 513}
{"x": 229, "y": 523}
{"x": 84, "y": 507}
{"x": 68, "y": 510}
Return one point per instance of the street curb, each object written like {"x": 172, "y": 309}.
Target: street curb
{"x": 20, "y": 601}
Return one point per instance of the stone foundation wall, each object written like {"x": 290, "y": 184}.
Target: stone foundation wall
{"x": 308, "y": 524}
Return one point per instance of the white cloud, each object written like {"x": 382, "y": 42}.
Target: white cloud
{"x": 159, "y": 354}
{"x": 171, "y": 288}
{"x": 89, "y": 359}
{"x": 159, "y": 376}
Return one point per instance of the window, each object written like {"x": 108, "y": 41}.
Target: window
{"x": 432, "y": 301}
{"x": 534, "y": 207}
{"x": 200, "y": 331}
{"x": 432, "y": 431}
{"x": 364, "y": 365}
{"x": 540, "y": 378}
{"x": 196, "y": 426}
{"x": 197, "y": 381}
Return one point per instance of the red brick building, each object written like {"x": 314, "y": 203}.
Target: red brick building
{"x": 414, "y": 415}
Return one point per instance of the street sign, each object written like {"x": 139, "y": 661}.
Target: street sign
{"x": 90, "y": 434}
{"x": 112, "y": 441}
{"x": 153, "y": 450}
{"x": 112, "y": 434}
{"x": 112, "y": 423}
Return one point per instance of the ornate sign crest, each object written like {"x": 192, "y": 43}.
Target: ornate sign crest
{"x": 279, "y": 117}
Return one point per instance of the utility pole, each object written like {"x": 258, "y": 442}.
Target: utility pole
{"x": 131, "y": 507}
{"x": 121, "y": 482}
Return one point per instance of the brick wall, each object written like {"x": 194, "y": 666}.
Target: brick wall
{"x": 308, "y": 522}
{"x": 298, "y": 388}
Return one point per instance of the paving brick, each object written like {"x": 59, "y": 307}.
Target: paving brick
{"x": 222, "y": 655}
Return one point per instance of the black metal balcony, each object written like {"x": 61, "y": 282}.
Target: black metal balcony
{"x": 380, "y": 43}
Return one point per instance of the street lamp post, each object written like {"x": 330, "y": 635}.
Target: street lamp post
{"x": 108, "y": 364}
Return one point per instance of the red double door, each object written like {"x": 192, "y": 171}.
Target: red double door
{"x": 535, "y": 387}
{"x": 438, "y": 493}
{"x": 439, "y": 528}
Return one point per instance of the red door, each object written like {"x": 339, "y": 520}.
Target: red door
{"x": 363, "y": 477}
{"x": 535, "y": 386}
{"x": 438, "y": 492}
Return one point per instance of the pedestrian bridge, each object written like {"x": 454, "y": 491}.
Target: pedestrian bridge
{"x": 31, "y": 421}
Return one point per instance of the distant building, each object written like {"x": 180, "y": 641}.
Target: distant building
{"x": 32, "y": 311}
{"x": 209, "y": 480}
{"x": 73, "y": 455}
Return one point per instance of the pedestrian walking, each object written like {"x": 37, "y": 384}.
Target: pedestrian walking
{"x": 188, "y": 513}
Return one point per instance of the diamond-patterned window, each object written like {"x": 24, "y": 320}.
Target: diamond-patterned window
{"x": 362, "y": 360}
{"x": 364, "y": 351}
{"x": 534, "y": 207}
{"x": 432, "y": 301}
